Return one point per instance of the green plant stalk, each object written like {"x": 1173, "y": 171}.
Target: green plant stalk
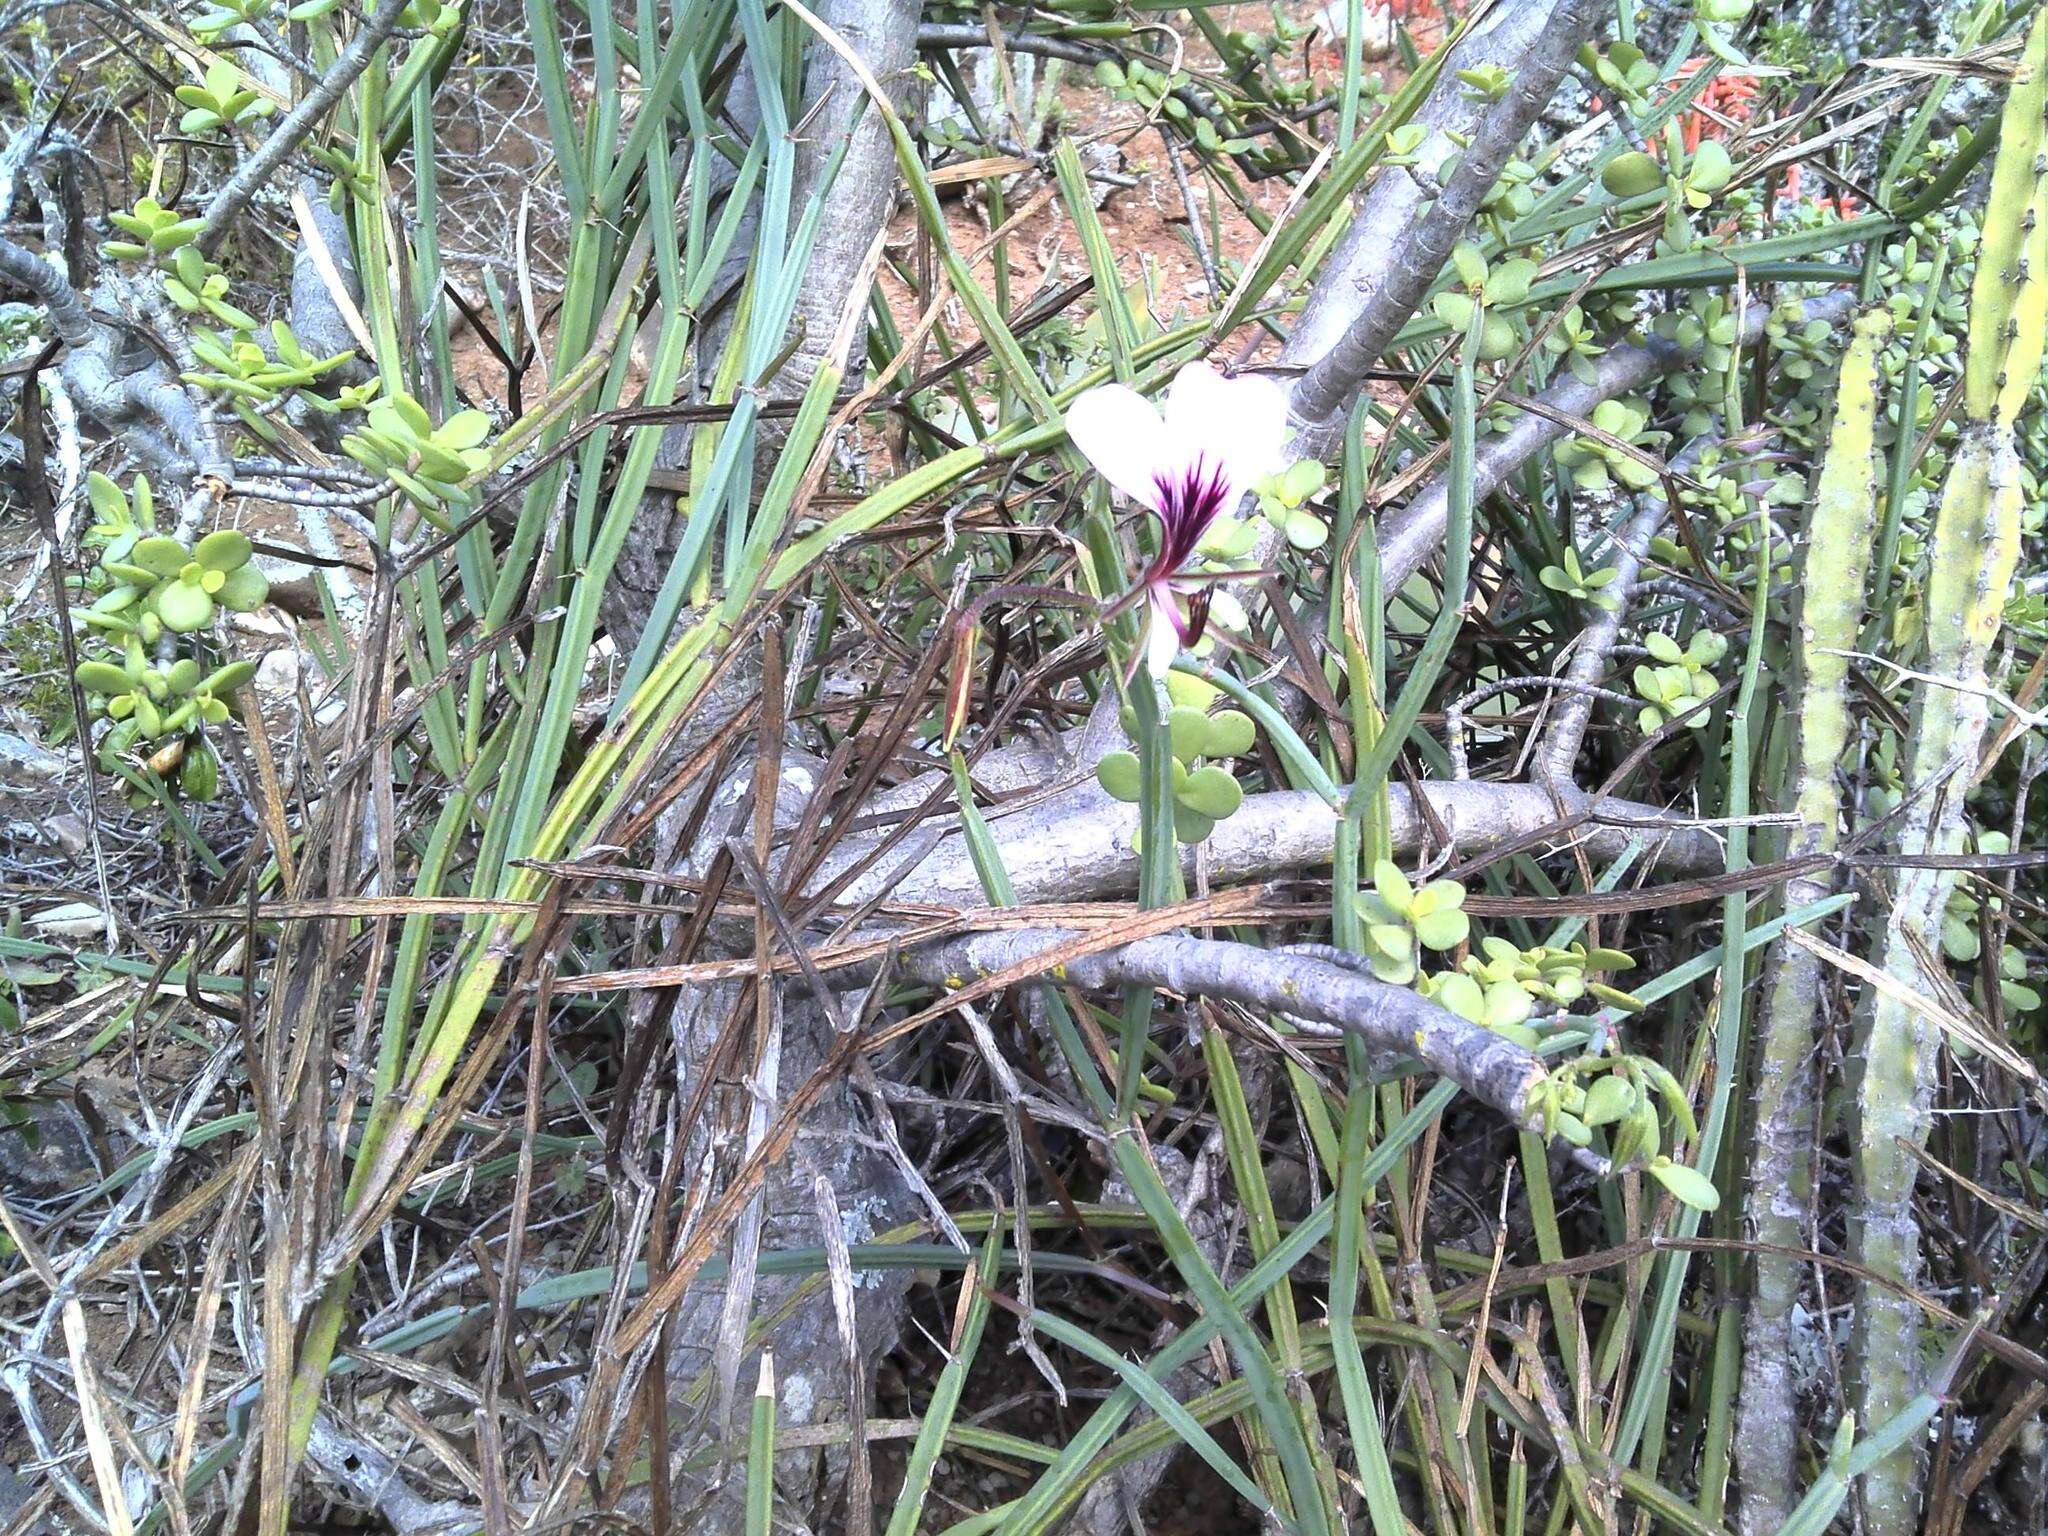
{"x": 1640, "y": 1432}
{"x": 1354, "y": 1384}
{"x": 1040, "y": 1509}
{"x": 1118, "y": 330}
{"x": 1231, "y": 1398}
{"x": 1246, "y": 1155}
{"x": 551, "y": 72}
{"x": 1837, "y": 569}
{"x": 1357, "y": 844}
{"x": 395, "y": 1121}
{"x": 1220, "y": 1310}
{"x": 397, "y": 1118}
{"x": 1324, "y": 212}
{"x": 774, "y": 282}
{"x": 760, "y": 1501}
{"x": 1830, "y": 1491}
{"x": 1376, "y": 762}
{"x": 1158, "y": 872}
{"x": 579, "y": 626}
{"x": 945, "y": 1401}
{"x": 1351, "y": 1245}
{"x": 1171, "y": 1411}
{"x": 1901, "y": 464}
{"x": 1973, "y": 553}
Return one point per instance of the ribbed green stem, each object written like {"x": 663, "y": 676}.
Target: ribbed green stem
{"x": 1838, "y": 545}
{"x": 1974, "y": 549}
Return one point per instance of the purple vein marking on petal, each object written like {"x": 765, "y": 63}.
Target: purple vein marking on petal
{"x": 1189, "y": 502}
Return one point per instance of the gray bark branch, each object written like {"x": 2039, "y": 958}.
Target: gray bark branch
{"x": 254, "y": 173}
{"x": 1409, "y": 537}
{"x": 1303, "y": 987}
{"x": 1404, "y": 230}
{"x": 1078, "y": 847}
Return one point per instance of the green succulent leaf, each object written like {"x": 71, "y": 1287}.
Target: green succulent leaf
{"x": 160, "y": 556}
{"x": 1688, "y": 1185}
{"x": 183, "y": 606}
{"x": 101, "y": 677}
{"x": 224, "y": 550}
{"x": 1230, "y": 734}
{"x": 1608, "y": 1099}
{"x": 1212, "y": 792}
{"x": 244, "y": 589}
{"x": 1119, "y": 775}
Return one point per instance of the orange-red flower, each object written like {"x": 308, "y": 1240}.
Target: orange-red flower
{"x": 1727, "y": 98}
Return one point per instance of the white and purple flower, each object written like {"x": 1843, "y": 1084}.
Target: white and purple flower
{"x": 1190, "y": 466}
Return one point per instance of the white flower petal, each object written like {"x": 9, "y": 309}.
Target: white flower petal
{"x": 1162, "y": 639}
{"x": 1119, "y": 431}
{"x": 1238, "y": 422}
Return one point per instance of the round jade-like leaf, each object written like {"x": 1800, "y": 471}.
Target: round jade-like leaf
{"x": 244, "y": 589}
{"x": 1118, "y": 775}
{"x": 1189, "y": 728}
{"x": 1608, "y": 1099}
{"x": 1632, "y": 174}
{"x": 183, "y": 606}
{"x": 159, "y": 556}
{"x": 224, "y": 549}
{"x": 1230, "y": 734}
{"x": 1212, "y": 792}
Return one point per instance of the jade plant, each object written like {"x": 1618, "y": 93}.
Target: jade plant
{"x": 224, "y": 16}
{"x": 1677, "y": 687}
{"x": 399, "y": 441}
{"x": 223, "y": 101}
{"x": 1283, "y": 502}
{"x": 153, "y": 231}
{"x": 1502, "y": 987}
{"x": 155, "y": 597}
{"x": 1573, "y": 580}
{"x": 1402, "y": 921}
{"x": 1489, "y": 287}
{"x": 1204, "y": 790}
{"x": 1597, "y": 463}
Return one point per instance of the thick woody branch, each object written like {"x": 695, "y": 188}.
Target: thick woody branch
{"x": 165, "y": 427}
{"x": 1310, "y": 988}
{"x": 1411, "y": 536}
{"x": 1404, "y": 230}
{"x": 1078, "y": 847}
{"x": 53, "y": 290}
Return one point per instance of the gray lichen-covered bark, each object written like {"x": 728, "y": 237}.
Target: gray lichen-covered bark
{"x": 1318, "y": 988}
{"x": 1077, "y": 847}
{"x": 839, "y": 1145}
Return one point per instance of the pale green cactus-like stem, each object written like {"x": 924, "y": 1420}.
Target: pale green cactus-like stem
{"x": 2006, "y": 331}
{"x": 1975, "y": 551}
{"x": 1973, "y": 554}
{"x": 1837, "y": 567}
